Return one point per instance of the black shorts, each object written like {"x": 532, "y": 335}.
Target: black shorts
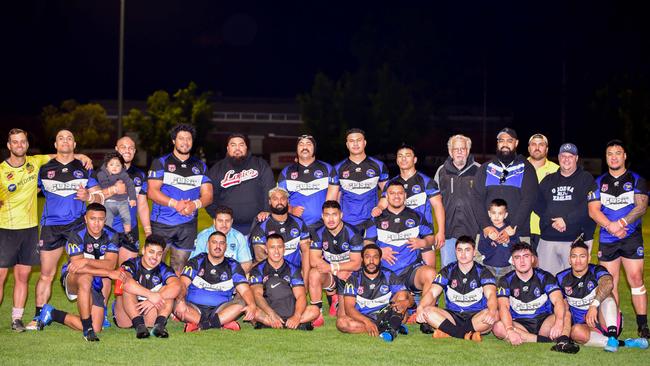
{"x": 19, "y": 247}
{"x": 630, "y": 248}
{"x": 407, "y": 277}
{"x": 338, "y": 285}
{"x": 207, "y": 311}
{"x": 55, "y": 236}
{"x": 463, "y": 320}
{"x": 180, "y": 236}
{"x": 97, "y": 296}
{"x": 532, "y": 325}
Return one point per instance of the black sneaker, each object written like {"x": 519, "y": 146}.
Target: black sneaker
{"x": 260, "y": 325}
{"x": 141, "y": 331}
{"x": 426, "y": 328}
{"x": 305, "y": 326}
{"x": 644, "y": 332}
{"x": 17, "y": 326}
{"x": 90, "y": 336}
{"x": 160, "y": 331}
{"x": 566, "y": 347}
{"x": 129, "y": 238}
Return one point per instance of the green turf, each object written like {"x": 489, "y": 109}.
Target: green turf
{"x": 58, "y": 345}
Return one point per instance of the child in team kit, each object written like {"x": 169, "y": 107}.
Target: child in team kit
{"x": 493, "y": 254}
{"x": 112, "y": 170}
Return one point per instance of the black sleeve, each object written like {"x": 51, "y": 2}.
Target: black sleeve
{"x": 216, "y": 189}
{"x": 529, "y": 188}
{"x": 478, "y": 201}
{"x": 266, "y": 180}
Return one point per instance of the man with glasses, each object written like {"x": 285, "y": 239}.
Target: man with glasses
{"x": 511, "y": 177}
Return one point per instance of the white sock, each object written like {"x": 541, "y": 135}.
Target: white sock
{"x": 596, "y": 340}
{"x": 610, "y": 312}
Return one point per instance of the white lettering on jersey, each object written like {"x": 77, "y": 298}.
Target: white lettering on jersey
{"x": 416, "y": 200}
{"x": 291, "y": 246}
{"x": 582, "y": 304}
{"x": 336, "y": 258}
{"x": 359, "y": 188}
{"x": 465, "y": 300}
{"x": 397, "y": 239}
{"x": 63, "y": 189}
{"x": 527, "y": 308}
{"x": 221, "y": 286}
{"x": 617, "y": 202}
{"x": 307, "y": 189}
{"x": 368, "y": 303}
{"x": 232, "y": 179}
{"x": 182, "y": 183}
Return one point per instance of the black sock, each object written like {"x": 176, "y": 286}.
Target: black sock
{"x": 563, "y": 338}
{"x": 542, "y": 339}
{"x": 329, "y": 299}
{"x": 449, "y": 328}
{"x": 621, "y": 343}
{"x": 59, "y": 316}
{"x": 318, "y": 303}
{"x": 162, "y": 320}
{"x": 611, "y": 331}
{"x": 214, "y": 321}
{"x": 642, "y": 320}
{"x": 138, "y": 320}
{"x": 86, "y": 324}
{"x": 37, "y": 313}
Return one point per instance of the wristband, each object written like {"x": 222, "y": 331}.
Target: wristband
{"x": 624, "y": 222}
{"x": 198, "y": 204}
{"x": 595, "y": 303}
{"x": 172, "y": 203}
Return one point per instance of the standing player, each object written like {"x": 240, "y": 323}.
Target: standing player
{"x": 293, "y": 230}
{"x": 149, "y": 290}
{"x": 357, "y": 179}
{"x": 531, "y": 307}
{"x": 334, "y": 255}
{"x": 374, "y": 300}
{"x": 538, "y": 152}
{"x": 470, "y": 297}
{"x": 179, "y": 187}
{"x": 92, "y": 254}
{"x": 307, "y": 182}
{"x": 126, "y": 147}
{"x": 587, "y": 288}
{"x": 241, "y": 181}
{"x": 422, "y": 194}
{"x": 280, "y": 291}
{"x": 401, "y": 233}
{"x": 209, "y": 282}
{"x": 617, "y": 203}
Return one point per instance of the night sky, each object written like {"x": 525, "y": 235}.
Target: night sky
{"x": 55, "y": 49}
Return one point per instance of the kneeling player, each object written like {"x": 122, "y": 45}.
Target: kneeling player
{"x": 92, "y": 253}
{"x": 470, "y": 297}
{"x": 148, "y": 292}
{"x": 588, "y": 291}
{"x": 209, "y": 282}
{"x": 531, "y": 307}
{"x": 374, "y": 299}
{"x": 279, "y": 291}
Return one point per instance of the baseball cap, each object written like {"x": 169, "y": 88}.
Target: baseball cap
{"x": 538, "y": 136}
{"x": 508, "y": 131}
{"x": 568, "y": 147}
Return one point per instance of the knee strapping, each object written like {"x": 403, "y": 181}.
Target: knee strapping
{"x": 638, "y": 291}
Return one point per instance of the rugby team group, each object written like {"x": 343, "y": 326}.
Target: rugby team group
{"x": 514, "y": 238}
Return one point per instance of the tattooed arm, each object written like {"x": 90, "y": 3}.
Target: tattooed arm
{"x": 605, "y": 287}
{"x": 640, "y": 206}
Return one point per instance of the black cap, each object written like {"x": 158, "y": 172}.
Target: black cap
{"x": 509, "y": 131}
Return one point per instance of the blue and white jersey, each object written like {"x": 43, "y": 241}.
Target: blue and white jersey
{"x": 181, "y": 180}
{"x": 528, "y": 299}
{"x": 464, "y": 291}
{"x": 292, "y": 231}
{"x": 81, "y": 243}
{"x": 419, "y": 190}
{"x": 59, "y": 184}
{"x": 579, "y": 292}
{"x": 372, "y": 295}
{"x": 152, "y": 279}
{"x": 140, "y": 182}
{"x": 393, "y": 231}
{"x": 337, "y": 248}
{"x": 499, "y": 175}
{"x": 616, "y": 196}
{"x": 212, "y": 285}
{"x": 307, "y": 187}
{"x": 358, "y": 187}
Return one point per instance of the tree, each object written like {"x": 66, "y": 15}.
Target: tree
{"x": 164, "y": 112}
{"x": 88, "y": 122}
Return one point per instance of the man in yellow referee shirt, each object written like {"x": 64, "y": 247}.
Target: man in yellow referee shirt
{"x": 538, "y": 149}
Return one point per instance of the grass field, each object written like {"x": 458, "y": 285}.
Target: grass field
{"x": 58, "y": 345}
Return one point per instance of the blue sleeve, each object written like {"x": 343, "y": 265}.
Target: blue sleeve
{"x": 332, "y": 178}
{"x": 640, "y": 185}
{"x": 238, "y": 275}
{"x": 383, "y": 175}
{"x": 191, "y": 268}
{"x": 304, "y": 230}
{"x": 487, "y": 278}
{"x": 396, "y": 285}
{"x": 129, "y": 267}
{"x": 205, "y": 179}
{"x": 432, "y": 188}
{"x": 166, "y": 272}
{"x": 503, "y": 289}
{"x": 257, "y": 235}
{"x": 282, "y": 178}
{"x": 317, "y": 242}
{"x": 356, "y": 243}
{"x": 91, "y": 179}
{"x": 441, "y": 278}
{"x": 157, "y": 170}
{"x": 143, "y": 187}
{"x": 74, "y": 246}
{"x": 255, "y": 276}
{"x": 594, "y": 194}
{"x": 600, "y": 271}
{"x": 425, "y": 227}
{"x": 550, "y": 284}
{"x": 350, "y": 289}
{"x": 296, "y": 278}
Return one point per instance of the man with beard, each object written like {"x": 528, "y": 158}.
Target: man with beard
{"x": 371, "y": 292}
{"x": 538, "y": 151}
{"x": 617, "y": 203}
{"x": 508, "y": 176}
{"x": 126, "y": 147}
{"x": 456, "y": 179}
{"x": 562, "y": 207}
{"x": 241, "y": 182}
{"x": 19, "y": 218}
{"x": 307, "y": 181}
{"x": 179, "y": 187}
{"x": 292, "y": 229}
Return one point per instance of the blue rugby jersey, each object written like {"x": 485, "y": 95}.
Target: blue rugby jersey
{"x": 151, "y": 279}
{"x": 59, "y": 184}
{"x": 212, "y": 285}
{"x": 358, "y": 187}
{"x": 80, "y": 242}
{"x": 528, "y": 299}
{"x": 337, "y": 248}
{"x": 307, "y": 187}
{"x": 464, "y": 291}
{"x": 372, "y": 295}
{"x": 292, "y": 231}
{"x": 181, "y": 180}
{"x": 580, "y": 292}
{"x": 419, "y": 189}
{"x": 616, "y": 196}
